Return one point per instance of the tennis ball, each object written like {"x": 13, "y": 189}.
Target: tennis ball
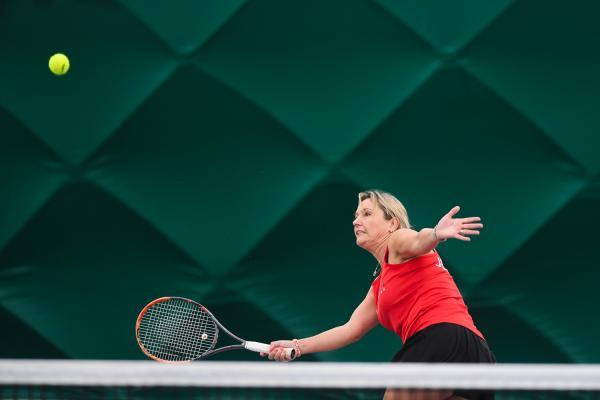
{"x": 59, "y": 64}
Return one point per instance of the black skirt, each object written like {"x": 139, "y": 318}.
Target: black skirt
{"x": 448, "y": 343}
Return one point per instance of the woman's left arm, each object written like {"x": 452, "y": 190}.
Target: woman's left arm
{"x": 408, "y": 243}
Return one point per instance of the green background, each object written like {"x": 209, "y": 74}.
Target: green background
{"x": 214, "y": 150}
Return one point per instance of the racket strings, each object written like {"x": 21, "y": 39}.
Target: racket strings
{"x": 177, "y": 330}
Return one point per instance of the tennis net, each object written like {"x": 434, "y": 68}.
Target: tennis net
{"x": 64, "y": 379}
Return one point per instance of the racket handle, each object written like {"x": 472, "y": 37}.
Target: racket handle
{"x": 264, "y": 348}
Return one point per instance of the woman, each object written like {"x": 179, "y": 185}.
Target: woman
{"x": 413, "y": 295}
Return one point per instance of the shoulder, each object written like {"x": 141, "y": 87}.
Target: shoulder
{"x": 401, "y": 237}
{"x": 401, "y": 241}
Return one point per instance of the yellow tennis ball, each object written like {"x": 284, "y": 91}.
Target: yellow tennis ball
{"x": 59, "y": 64}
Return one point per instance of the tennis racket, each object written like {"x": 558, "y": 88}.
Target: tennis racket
{"x": 177, "y": 330}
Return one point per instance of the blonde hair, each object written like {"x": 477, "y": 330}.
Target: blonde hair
{"x": 390, "y": 205}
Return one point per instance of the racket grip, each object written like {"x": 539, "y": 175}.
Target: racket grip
{"x": 264, "y": 348}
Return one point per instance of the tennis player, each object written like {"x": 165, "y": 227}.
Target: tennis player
{"x": 412, "y": 295}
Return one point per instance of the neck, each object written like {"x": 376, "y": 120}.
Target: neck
{"x": 378, "y": 250}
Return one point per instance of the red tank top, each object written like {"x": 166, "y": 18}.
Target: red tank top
{"x": 417, "y": 293}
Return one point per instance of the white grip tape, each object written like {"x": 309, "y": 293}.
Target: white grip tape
{"x": 264, "y": 348}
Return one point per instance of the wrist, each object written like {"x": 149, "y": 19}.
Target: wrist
{"x": 435, "y": 235}
{"x": 297, "y": 347}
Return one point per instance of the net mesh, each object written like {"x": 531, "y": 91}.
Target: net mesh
{"x": 299, "y": 380}
{"x": 177, "y": 330}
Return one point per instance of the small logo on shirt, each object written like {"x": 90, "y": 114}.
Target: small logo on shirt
{"x": 440, "y": 263}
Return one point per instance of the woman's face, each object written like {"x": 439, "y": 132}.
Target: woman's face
{"x": 370, "y": 226}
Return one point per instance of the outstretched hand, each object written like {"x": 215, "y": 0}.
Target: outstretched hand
{"x": 457, "y": 228}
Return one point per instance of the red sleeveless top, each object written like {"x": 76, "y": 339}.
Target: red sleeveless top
{"x": 417, "y": 293}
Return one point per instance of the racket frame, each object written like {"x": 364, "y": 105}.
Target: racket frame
{"x": 252, "y": 346}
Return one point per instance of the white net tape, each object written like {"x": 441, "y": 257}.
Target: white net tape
{"x": 301, "y": 375}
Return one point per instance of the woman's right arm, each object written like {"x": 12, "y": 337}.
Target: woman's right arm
{"x": 363, "y": 319}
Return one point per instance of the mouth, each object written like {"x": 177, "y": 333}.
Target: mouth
{"x": 358, "y": 232}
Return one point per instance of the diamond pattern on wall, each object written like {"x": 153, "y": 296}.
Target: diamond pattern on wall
{"x": 453, "y": 24}
{"x": 94, "y": 262}
{"x": 20, "y": 340}
{"x": 105, "y": 45}
{"x": 557, "y": 289}
{"x": 216, "y": 190}
{"x": 214, "y": 150}
{"x": 550, "y": 73}
{"x": 184, "y": 24}
{"x": 327, "y": 78}
{"x": 30, "y": 173}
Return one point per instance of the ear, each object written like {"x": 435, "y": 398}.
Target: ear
{"x": 394, "y": 224}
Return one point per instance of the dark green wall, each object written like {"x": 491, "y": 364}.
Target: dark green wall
{"x": 214, "y": 149}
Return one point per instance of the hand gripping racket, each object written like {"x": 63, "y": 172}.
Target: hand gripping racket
{"x": 174, "y": 329}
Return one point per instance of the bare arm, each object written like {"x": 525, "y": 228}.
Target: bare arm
{"x": 363, "y": 319}
{"x": 407, "y": 243}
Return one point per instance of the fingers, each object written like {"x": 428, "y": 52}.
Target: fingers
{"x": 281, "y": 343}
{"x": 463, "y": 238}
{"x": 460, "y": 228}
{"x": 464, "y": 234}
{"x": 278, "y": 354}
{"x": 472, "y": 226}
{"x": 277, "y": 351}
{"x": 453, "y": 211}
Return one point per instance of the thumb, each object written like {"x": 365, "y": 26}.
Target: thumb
{"x": 277, "y": 343}
{"x": 453, "y": 211}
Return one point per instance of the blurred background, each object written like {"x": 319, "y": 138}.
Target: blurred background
{"x": 214, "y": 150}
